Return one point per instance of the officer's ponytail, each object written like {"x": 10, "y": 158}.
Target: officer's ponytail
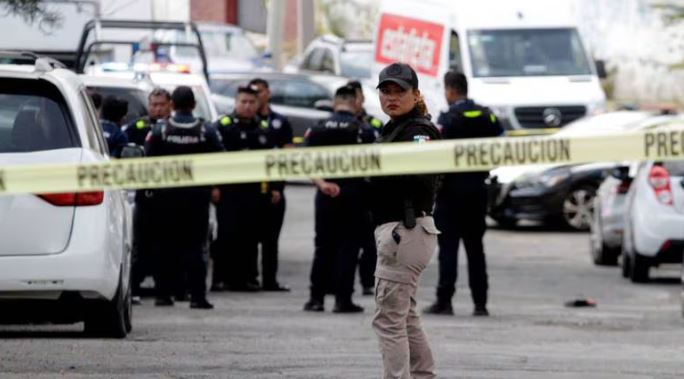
{"x": 421, "y": 107}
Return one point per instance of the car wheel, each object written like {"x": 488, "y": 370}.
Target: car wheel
{"x": 110, "y": 318}
{"x": 639, "y": 268}
{"x": 601, "y": 254}
{"x": 578, "y": 207}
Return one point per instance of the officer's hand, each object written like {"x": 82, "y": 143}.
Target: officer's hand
{"x": 330, "y": 189}
{"x": 276, "y": 196}
{"x": 215, "y": 195}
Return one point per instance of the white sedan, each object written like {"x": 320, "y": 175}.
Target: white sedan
{"x": 64, "y": 257}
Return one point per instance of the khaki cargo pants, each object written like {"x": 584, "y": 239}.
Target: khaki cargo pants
{"x": 405, "y": 350}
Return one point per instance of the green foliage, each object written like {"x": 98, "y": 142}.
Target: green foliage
{"x": 32, "y": 11}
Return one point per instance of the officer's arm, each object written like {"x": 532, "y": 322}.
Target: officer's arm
{"x": 449, "y": 127}
{"x": 495, "y": 126}
{"x": 287, "y": 133}
{"x": 214, "y": 139}
{"x": 152, "y": 142}
{"x": 120, "y": 140}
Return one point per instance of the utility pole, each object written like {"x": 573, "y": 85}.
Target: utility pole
{"x": 275, "y": 29}
{"x": 306, "y": 25}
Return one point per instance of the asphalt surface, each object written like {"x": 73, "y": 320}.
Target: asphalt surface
{"x": 636, "y": 331}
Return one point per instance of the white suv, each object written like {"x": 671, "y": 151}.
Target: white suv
{"x": 64, "y": 257}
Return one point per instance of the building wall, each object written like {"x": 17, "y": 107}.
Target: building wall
{"x": 209, "y": 10}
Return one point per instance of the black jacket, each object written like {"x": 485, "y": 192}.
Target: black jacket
{"x": 392, "y": 194}
{"x": 466, "y": 119}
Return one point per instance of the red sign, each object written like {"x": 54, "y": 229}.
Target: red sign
{"x": 407, "y": 40}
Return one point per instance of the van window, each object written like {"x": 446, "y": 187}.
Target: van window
{"x": 527, "y": 52}
{"x": 315, "y": 60}
{"x": 34, "y": 117}
{"x": 455, "y": 57}
{"x": 328, "y": 63}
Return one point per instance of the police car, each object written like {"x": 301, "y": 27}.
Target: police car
{"x": 64, "y": 257}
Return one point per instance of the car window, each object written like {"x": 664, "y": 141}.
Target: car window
{"x": 94, "y": 134}
{"x": 314, "y": 61}
{"x": 455, "y": 60}
{"x": 328, "y": 62}
{"x": 355, "y": 64}
{"x": 34, "y": 117}
{"x": 297, "y": 93}
{"x": 136, "y": 98}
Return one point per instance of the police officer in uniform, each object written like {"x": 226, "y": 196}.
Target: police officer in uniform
{"x": 339, "y": 212}
{"x": 462, "y": 201}
{"x": 368, "y": 256}
{"x": 241, "y": 208}
{"x": 113, "y": 111}
{"x": 281, "y": 131}
{"x": 182, "y": 213}
{"x": 159, "y": 106}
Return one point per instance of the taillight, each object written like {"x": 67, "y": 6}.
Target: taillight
{"x": 659, "y": 179}
{"x": 74, "y": 199}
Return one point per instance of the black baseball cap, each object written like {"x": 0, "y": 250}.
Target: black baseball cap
{"x": 399, "y": 73}
{"x": 248, "y": 88}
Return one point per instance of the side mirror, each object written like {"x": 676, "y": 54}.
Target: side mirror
{"x": 324, "y": 105}
{"x": 620, "y": 172}
{"x": 601, "y": 69}
{"x": 132, "y": 151}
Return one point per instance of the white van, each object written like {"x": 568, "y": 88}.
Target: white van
{"x": 524, "y": 59}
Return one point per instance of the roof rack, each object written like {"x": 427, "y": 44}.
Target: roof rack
{"x": 42, "y": 63}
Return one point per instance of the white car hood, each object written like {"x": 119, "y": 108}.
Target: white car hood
{"x": 533, "y": 91}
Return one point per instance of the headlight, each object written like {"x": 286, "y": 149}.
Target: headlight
{"x": 500, "y": 111}
{"x": 553, "y": 178}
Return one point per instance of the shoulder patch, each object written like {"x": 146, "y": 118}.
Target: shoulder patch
{"x": 376, "y": 123}
{"x": 225, "y": 121}
{"x": 420, "y": 138}
{"x": 264, "y": 124}
{"x": 140, "y": 124}
{"x": 277, "y": 123}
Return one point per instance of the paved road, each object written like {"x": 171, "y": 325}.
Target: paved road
{"x": 635, "y": 332}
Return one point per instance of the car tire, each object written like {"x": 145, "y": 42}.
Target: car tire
{"x": 110, "y": 319}
{"x": 639, "y": 268}
{"x": 601, "y": 254}
{"x": 577, "y": 207}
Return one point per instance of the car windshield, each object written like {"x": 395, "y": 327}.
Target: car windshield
{"x": 33, "y": 117}
{"x": 217, "y": 44}
{"x": 136, "y": 98}
{"x": 356, "y": 64}
{"x": 527, "y": 52}
{"x": 292, "y": 92}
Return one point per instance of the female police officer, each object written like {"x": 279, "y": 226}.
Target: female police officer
{"x": 406, "y": 235}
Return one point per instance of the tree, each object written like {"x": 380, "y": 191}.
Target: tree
{"x": 32, "y": 12}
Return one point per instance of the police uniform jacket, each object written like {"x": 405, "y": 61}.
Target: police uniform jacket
{"x": 116, "y": 139}
{"x": 391, "y": 194}
{"x": 255, "y": 134}
{"x": 137, "y": 131}
{"x": 280, "y": 128}
{"x": 180, "y": 135}
{"x": 466, "y": 119}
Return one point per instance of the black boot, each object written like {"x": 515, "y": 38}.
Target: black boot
{"x": 345, "y": 305}
{"x": 440, "y": 307}
{"x": 314, "y": 305}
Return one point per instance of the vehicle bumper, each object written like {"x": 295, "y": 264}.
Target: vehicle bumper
{"x": 652, "y": 232}
{"x": 85, "y": 267}
{"x": 530, "y": 203}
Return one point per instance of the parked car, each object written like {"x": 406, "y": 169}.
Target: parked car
{"x": 332, "y": 55}
{"x": 133, "y": 91}
{"x": 304, "y": 99}
{"x": 607, "y": 226}
{"x": 78, "y": 268}
{"x": 228, "y": 49}
{"x": 654, "y": 219}
{"x": 558, "y": 193}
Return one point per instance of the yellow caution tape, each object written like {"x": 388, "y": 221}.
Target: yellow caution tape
{"x": 342, "y": 161}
